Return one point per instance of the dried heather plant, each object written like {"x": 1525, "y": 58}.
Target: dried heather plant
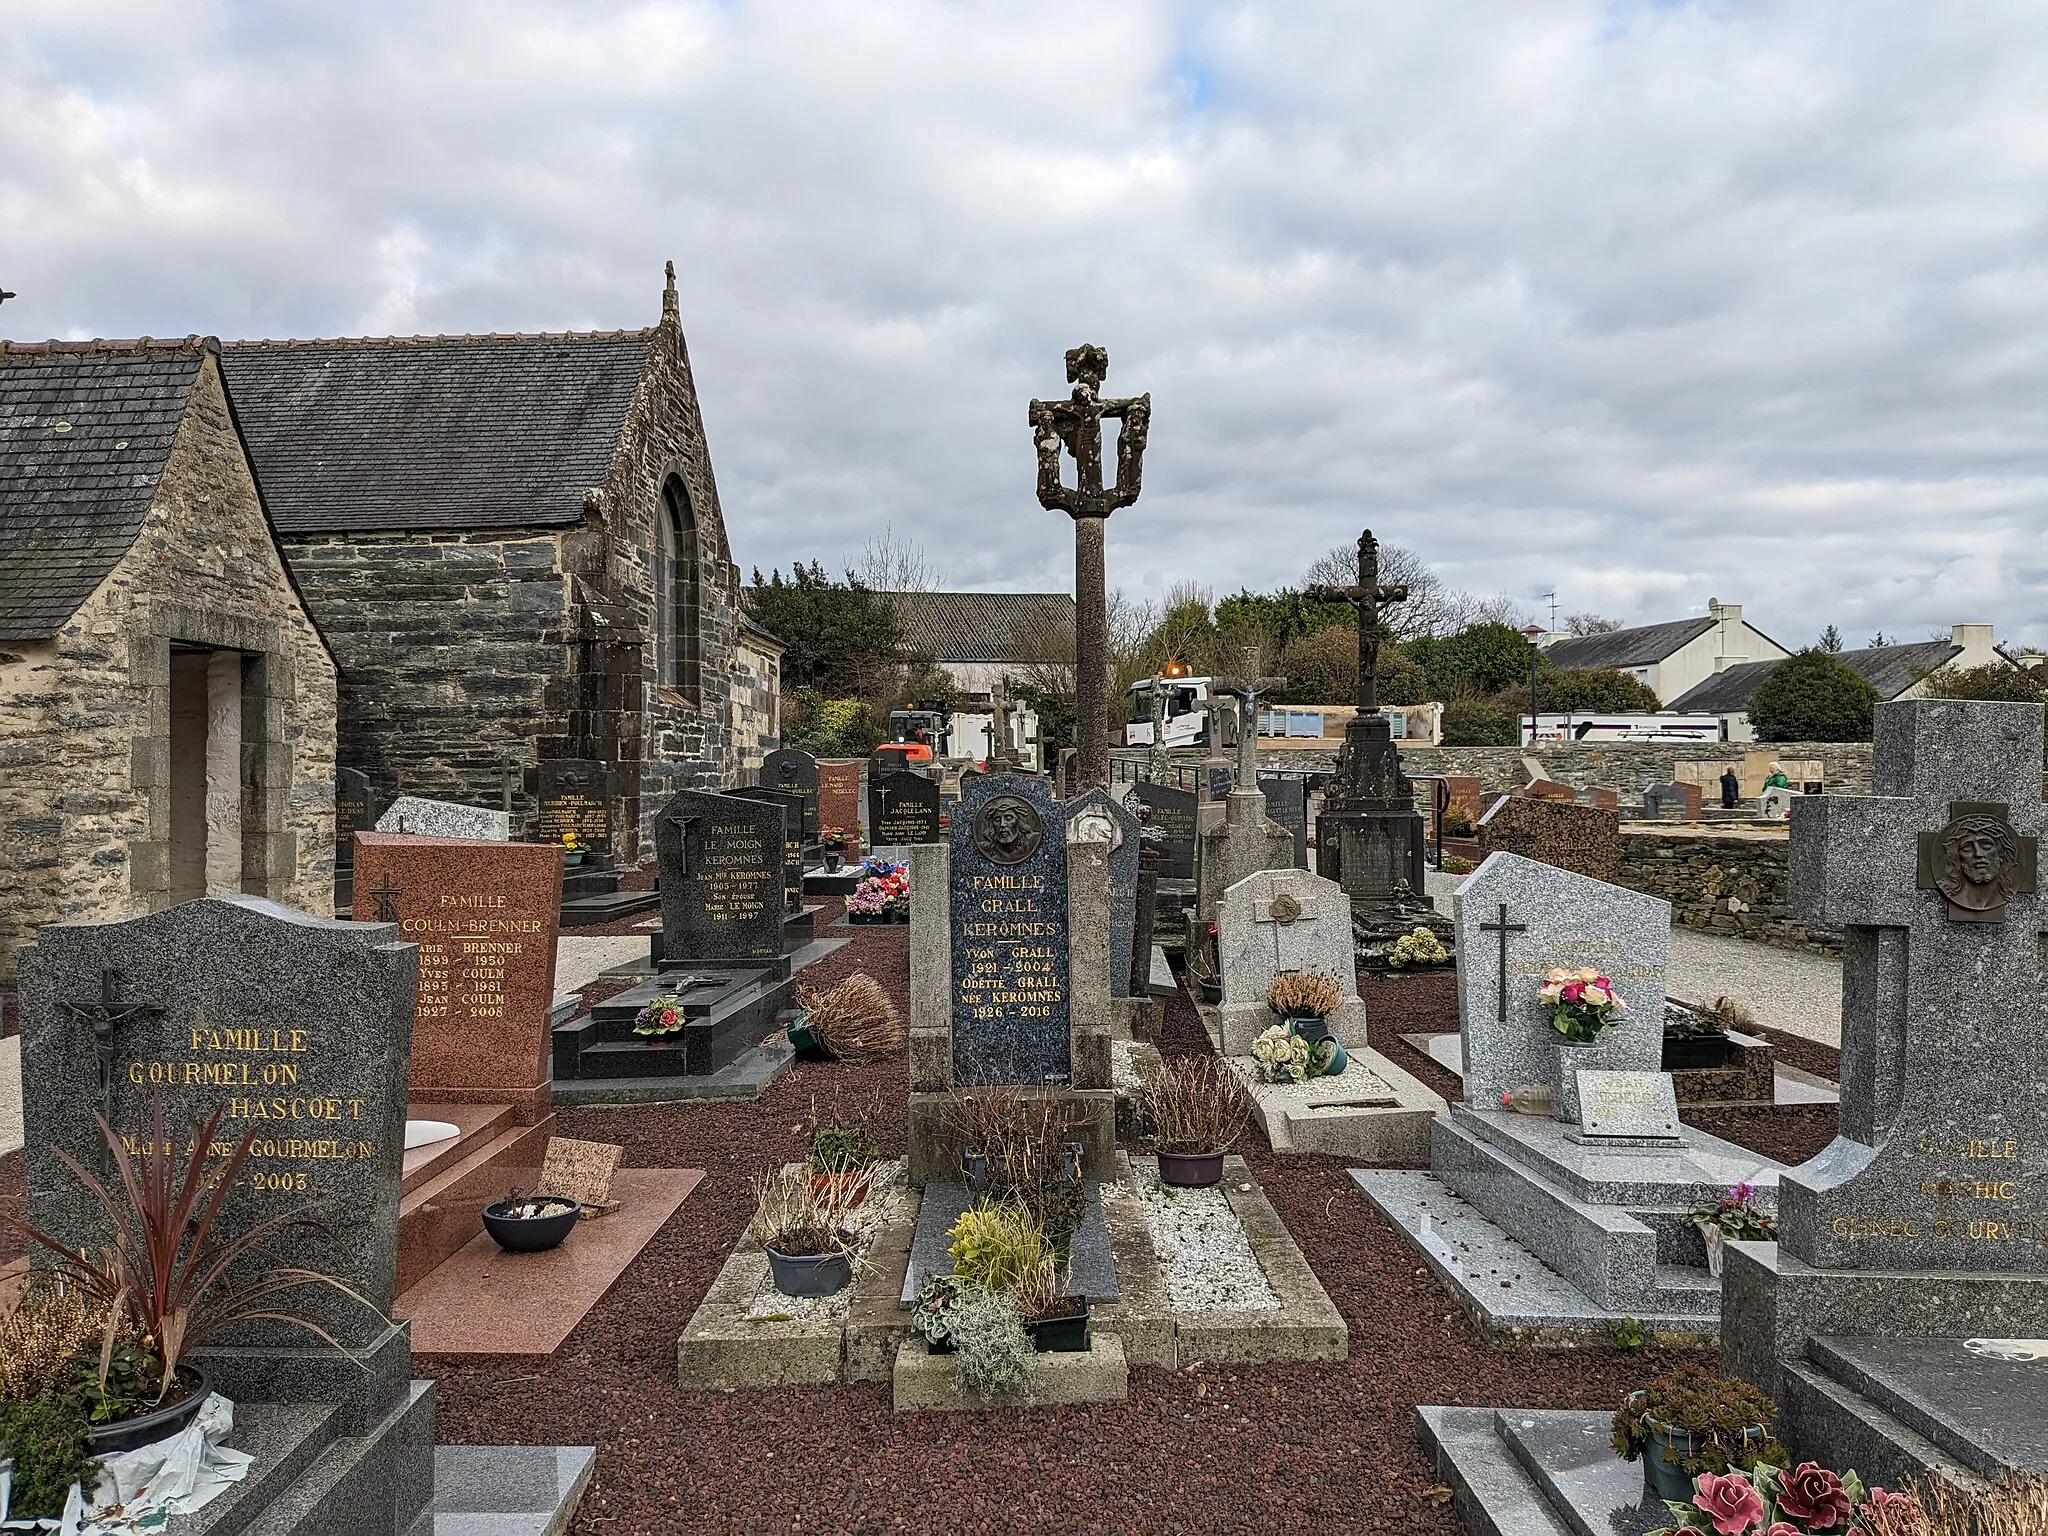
{"x": 1299, "y": 994}
{"x": 1197, "y": 1104}
{"x": 1020, "y": 1134}
{"x": 800, "y": 1216}
{"x": 856, "y": 1020}
{"x": 49, "y": 1325}
{"x": 1732, "y": 1012}
{"x": 2015, "y": 1505}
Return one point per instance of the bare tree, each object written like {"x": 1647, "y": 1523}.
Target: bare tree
{"x": 890, "y": 564}
{"x": 1579, "y": 625}
{"x": 1431, "y": 609}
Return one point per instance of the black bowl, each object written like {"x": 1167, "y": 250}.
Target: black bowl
{"x": 530, "y": 1234}
{"x": 158, "y": 1424}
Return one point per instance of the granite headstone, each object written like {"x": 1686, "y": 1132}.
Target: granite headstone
{"x": 1008, "y": 895}
{"x": 721, "y": 859}
{"x": 417, "y": 816}
{"x": 795, "y": 772}
{"x": 1123, "y": 879}
{"x": 793, "y": 838}
{"x": 1171, "y": 813}
{"x": 574, "y": 804}
{"x": 1284, "y": 920}
{"x": 839, "y": 799}
{"x": 903, "y": 809}
{"x": 356, "y": 810}
{"x": 1287, "y": 803}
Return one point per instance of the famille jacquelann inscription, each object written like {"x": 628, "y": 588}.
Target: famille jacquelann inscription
{"x": 1008, "y": 895}
{"x": 1977, "y": 862}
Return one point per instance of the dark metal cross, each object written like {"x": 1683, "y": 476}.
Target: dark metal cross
{"x": 1503, "y": 928}
{"x": 103, "y": 1017}
{"x": 1076, "y": 425}
{"x": 683, "y": 824}
{"x": 385, "y": 891}
{"x": 1367, "y": 595}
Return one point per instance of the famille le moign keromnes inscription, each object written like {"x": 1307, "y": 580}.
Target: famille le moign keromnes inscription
{"x": 1009, "y": 909}
{"x": 722, "y": 862}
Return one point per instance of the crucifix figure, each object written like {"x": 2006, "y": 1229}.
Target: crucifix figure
{"x": 1503, "y": 927}
{"x": 386, "y": 892}
{"x": 1247, "y": 686}
{"x": 1076, "y": 425}
{"x": 682, "y": 824}
{"x": 103, "y": 1016}
{"x": 1367, "y": 595}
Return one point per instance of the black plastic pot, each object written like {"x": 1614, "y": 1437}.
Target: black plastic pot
{"x": 157, "y": 1424}
{"x": 1688, "y": 1053}
{"x": 832, "y": 861}
{"x": 804, "y": 1040}
{"x": 531, "y": 1234}
{"x": 1190, "y": 1170}
{"x": 1059, "y": 1335}
{"x": 811, "y": 1274}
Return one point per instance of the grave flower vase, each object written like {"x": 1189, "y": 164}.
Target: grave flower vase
{"x": 1312, "y": 1027}
{"x": 810, "y": 1274}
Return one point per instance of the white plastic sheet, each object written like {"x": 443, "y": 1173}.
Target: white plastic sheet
{"x": 138, "y": 1491}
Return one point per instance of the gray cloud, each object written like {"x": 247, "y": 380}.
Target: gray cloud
{"x": 1643, "y": 302}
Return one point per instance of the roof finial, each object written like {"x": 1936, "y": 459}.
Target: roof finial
{"x": 670, "y": 308}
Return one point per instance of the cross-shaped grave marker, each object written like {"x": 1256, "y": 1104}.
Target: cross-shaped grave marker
{"x": 1367, "y": 596}
{"x": 1247, "y": 686}
{"x": 385, "y": 892}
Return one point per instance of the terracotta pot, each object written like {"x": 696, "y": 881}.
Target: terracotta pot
{"x": 854, "y": 1184}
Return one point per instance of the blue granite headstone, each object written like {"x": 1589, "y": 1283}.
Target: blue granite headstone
{"x": 1123, "y": 881}
{"x": 1009, "y": 904}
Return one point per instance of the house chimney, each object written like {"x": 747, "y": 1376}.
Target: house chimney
{"x": 1978, "y": 646}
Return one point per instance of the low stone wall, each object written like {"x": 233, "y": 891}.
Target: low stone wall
{"x": 1723, "y": 881}
{"x": 1627, "y": 767}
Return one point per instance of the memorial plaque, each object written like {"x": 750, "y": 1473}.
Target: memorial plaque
{"x": 795, "y": 773}
{"x": 1171, "y": 813}
{"x": 1123, "y": 879}
{"x": 485, "y": 920}
{"x": 575, "y": 801}
{"x": 721, "y": 859}
{"x": 1287, "y": 803}
{"x": 356, "y": 809}
{"x": 1219, "y": 783}
{"x": 903, "y": 808}
{"x": 1628, "y": 1106}
{"x": 299, "y": 1027}
{"x": 793, "y": 840}
{"x": 1009, "y": 904}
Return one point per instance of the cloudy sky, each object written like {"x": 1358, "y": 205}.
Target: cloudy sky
{"x": 1638, "y": 302}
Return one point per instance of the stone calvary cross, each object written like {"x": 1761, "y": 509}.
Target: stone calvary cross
{"x": 1247, "y": 687}
{"x": 1367, "y": 596}
{"x": 1942, "y": 1157}
{"x": 1076, "y": 425}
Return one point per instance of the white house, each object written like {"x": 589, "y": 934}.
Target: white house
{"x": 1672, "y": 658}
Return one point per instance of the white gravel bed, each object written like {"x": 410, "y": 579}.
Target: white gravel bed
{"x": 1122, "y": 1075}
{"x": 1203, "y": 1252}
{"x": 886, "y": 1200}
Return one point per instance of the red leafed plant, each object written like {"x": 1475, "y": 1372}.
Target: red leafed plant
{"x": 165, "y": 1275}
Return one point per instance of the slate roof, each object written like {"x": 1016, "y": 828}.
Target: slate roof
{"x": 85, "y": 430}
{"x": 976, "y": 626}
{"x": 1640, "y": 647}
{"x": 1890, "y": 669}
{"x": 433, "y": 432}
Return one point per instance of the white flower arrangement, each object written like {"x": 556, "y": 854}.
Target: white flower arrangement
{"x": 1281, "y": 1056}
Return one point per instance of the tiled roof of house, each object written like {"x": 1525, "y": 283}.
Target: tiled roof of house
{"x": 978, "y": 626}
{"x": 1890, "y": 669}
{"x": 1639, "y": 647}
{"x": 85, "y": 430}
{"x": 433, "y": 432}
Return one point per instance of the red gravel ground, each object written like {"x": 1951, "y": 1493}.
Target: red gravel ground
{"x": 1268, "y": 1448}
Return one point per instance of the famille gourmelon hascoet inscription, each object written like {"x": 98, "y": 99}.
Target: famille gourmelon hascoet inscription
{"x": 1009, "y": 908}
{"x": 1933, "y": 880}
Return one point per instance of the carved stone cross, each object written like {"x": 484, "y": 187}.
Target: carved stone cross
{"x": 1247, "y": 686}
{"x": 1367, "y": 596}
{"x": 386, "y": 894}
{"x": 1938, "y": 1164}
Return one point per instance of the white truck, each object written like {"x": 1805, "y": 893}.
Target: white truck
{"x": 1187, "y": 722}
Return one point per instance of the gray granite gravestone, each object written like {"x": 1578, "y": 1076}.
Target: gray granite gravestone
{"x": 721, "y": 859}
{"x": 1245, "y": 841}
{"x": 1283, "y": 920}
{"x": 1008, "y": 895}
{"x": 903, "y": 809}
{"x": 1123, "y": 879}
{"x": 1171, "y": 813}
{"x": 1287, "y": 803}
{"x": 794, "y": 772}
{"x": 1554, "y": 919}
{"x": 422, "y": 817}
{"x": 356, "y": 808}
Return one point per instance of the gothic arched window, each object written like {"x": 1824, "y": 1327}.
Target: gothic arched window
{"x": 678, "y": 655}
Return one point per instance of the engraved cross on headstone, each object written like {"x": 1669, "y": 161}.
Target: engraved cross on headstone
{"x": 1367, "y": 595}
{"x": 1942, "y": 1157}
{"x": 386, "y": 892}
{"x": 682, "y": 824}
{"x": 103, "y": 1017}
{"x": 1503, "y": 927}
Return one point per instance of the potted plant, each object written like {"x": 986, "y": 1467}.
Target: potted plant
{"x": 1417, "y": 950}
{"x": 999, "y": 1246}
{"x": 1055, "y": 1320}
{"x": 991, "y": 1351}
{"x": 937, "y": 1306}
{"x": 1279, "y": 1055}
{"x": 1197, "y": 1107}
{"x": 832, "y": 848}
{"x": 166, "y": 1280}
{"x": 47, "y": 1333}
{"x": 1583, "y": 1006}
{"x": 660, "y": 1017}
{"x": 1304, "y": 1001}
{"x": 803, "y": 1229}
{"x": 530, "y": 1223}
{"x": 868, "y": 903}
{"x": 1690, "y": 1421}
{"x": 842, "y": 1157}
{"x": 1739, "y": 1214}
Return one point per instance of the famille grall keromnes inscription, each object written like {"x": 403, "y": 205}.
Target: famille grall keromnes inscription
{"x": 1009, "y": 909}
{"x": 299, "y": 1028}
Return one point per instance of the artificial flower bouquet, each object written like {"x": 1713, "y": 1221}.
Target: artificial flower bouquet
{"x": 661, "y": 1016}
{"x": 1418, "y": 948}
{"x": 1771, "y": 1501}
{"x": 1582, "y": 1003}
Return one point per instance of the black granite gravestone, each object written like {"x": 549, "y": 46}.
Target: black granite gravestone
{"x": 1287, "y": 803}
{"x": 794, "y": 772}
{"x": 1009, "y": 904}
{"x": 903, "y": 808}
{"x": 1123, "y": 879}
{"x": 574, "y": 799}
{"x": 793, "y": 839}
{"x": 356, "y": 809}
{"x": 1171, "y": 813}
{"x": 721, "y": 859}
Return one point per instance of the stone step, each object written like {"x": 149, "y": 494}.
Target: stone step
{"x": 437, "y": 1217}
{"x": 360, "y": 1485}
{"x": 1820, "y": 1418}
{"x": 1492, "y": 1494}
{"x": 285, "y": 1439}
{"x": 1569, "y": 1456}
{"x": 1988, "y": 1414}
{"x": 1511, "y": 1295}
{"x": 589, "y": 911}
{"x": 509, "y": 1490}
{"x": 480, "y": 1123}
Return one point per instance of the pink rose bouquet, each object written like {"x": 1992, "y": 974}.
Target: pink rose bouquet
{"x": 1582, "y": 1003}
